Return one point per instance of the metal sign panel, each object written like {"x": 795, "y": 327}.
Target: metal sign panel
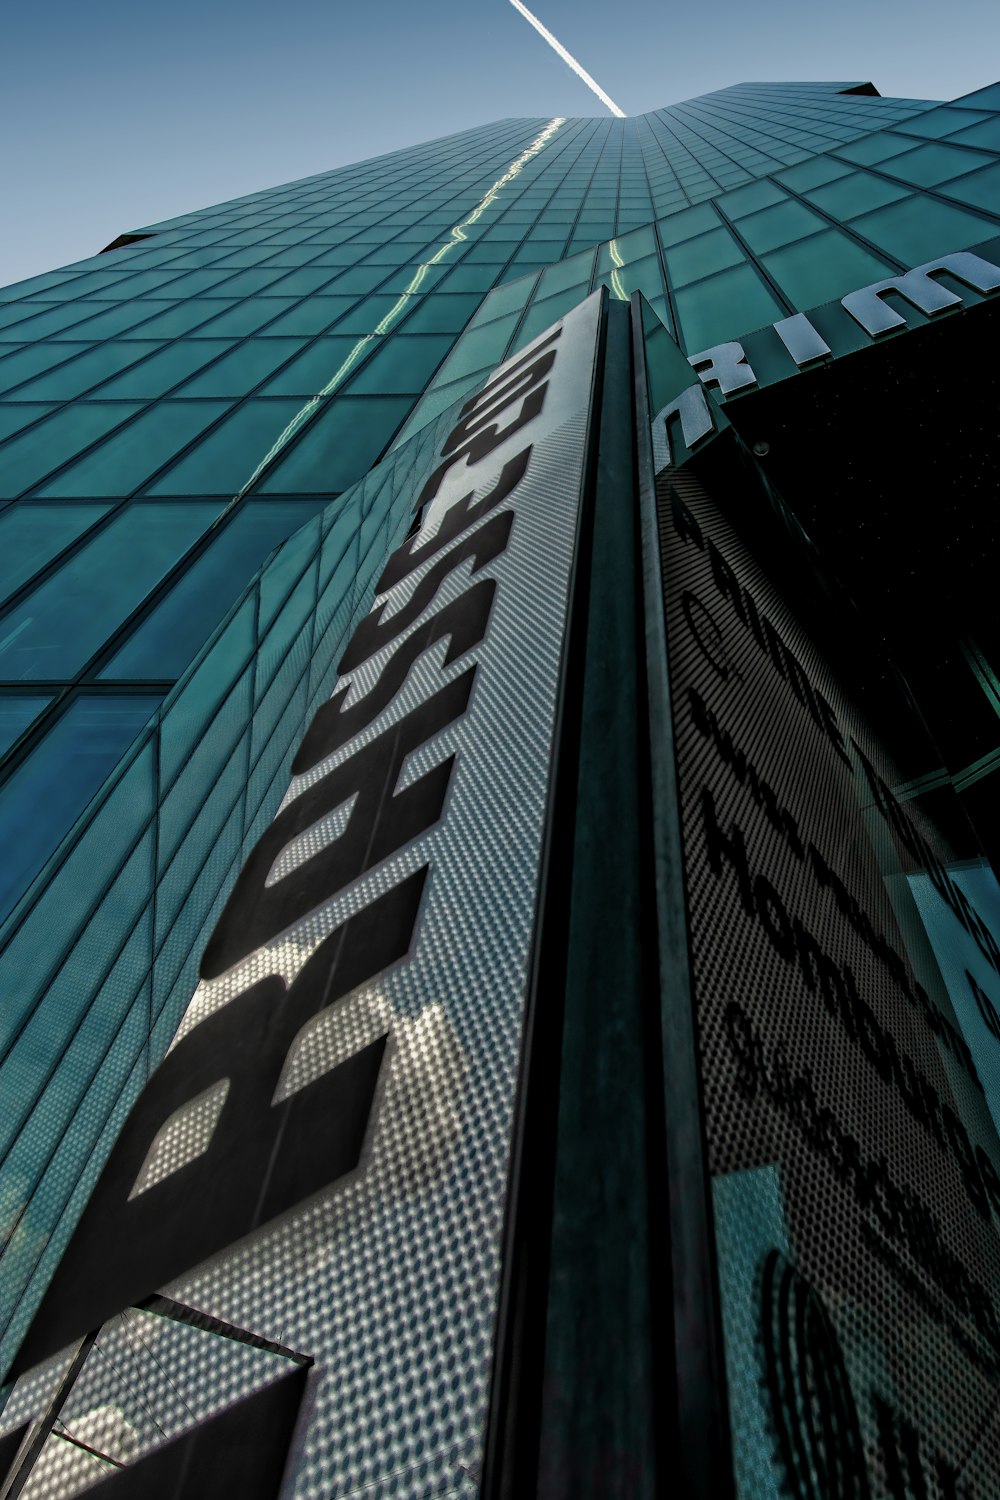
{"x": 855, "y": 1165}
{"x": 343, "y": 1083}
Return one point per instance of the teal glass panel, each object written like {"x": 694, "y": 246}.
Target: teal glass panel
{"x": 488, "y": 253}
{"x": 17, "y": 713}
{"x": 14, "y": 416}
{"x": 513, "y": 296}
{"x": 874, "y": 148}
{"x": 543, "y": 313}
{"x": 986, "y": 98}
{"x": 731, "y": 303}
{"x": 466, "y": 278}
{"x": 47, "y": 793}
{"x": 169, "y": 638}
{"x": 238, "y": 259}
{"x": 338, "y": 446}
{"x": 946, "y": 121}
{"x": 26, "y": 459}
{"x": 918, "y": 227}
{"x": 779, "y": 225}
{"x": 980, "y": 190}
{"x": 35, "y": 286}
{"x": 637, "y": 276}
{"x": 985, "y": 134}
{"x": 156, "y": 284}
{"x": 441, "y": 314}
{"x": 245, "y": 367}
{"x": 855, "y": 194}
{"x": 747, "y": 200}
{"x": 632, "y": 246}
{"x": 823, "y": 267}
{"x": 936, "y": 162}
{"x": 226, "y": 459}
{"x": 12, "y": 313}
{"x": 245, "y": 317}
{"x": 166, "y": 369}
{"x": 34, "y": 359}
{"x": 173, "y": 322}
{"x": 574, "y": 272}
{"x": 86, "y": 370}
{"x": 401, "y": 365}
{"x": 32, "y": 535}
{"x": 521, "y": 268}
{"x": 357, "y": 279}
{"x": 55, "y": 630}
{"x": 366, "y": 315}
{"x": 307, "y": 318}
{"x": 479, "y": 347}
{"x": 303, "y": 282}
{"x": 325, "y": 363}
{"x": 813, "y": 173}
{"x": 132, "y": 455}
{"x": 241, "y": 284}
{"x": 702, "y": 256}
{"x": 56, "y": 320}
{"x": 686, "y": 224}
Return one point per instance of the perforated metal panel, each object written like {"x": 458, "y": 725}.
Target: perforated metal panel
{"x": 843, "y": 1116}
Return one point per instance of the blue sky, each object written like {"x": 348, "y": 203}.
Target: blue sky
{"x": 120, "y": 112}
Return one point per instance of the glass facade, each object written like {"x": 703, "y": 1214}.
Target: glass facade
{"x": 210, "y": 437}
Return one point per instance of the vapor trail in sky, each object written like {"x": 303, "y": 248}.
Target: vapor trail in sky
{"x": 567, "y": 57}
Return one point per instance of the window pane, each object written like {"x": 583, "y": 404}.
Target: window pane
{"x": 173, "y": 321}
{"x": 32, "y": 535}
{"x": 53, "y": 632}
{"x": 14, "y": 417}
{"x": 810, "y": 174}
{"x": 314, "y": 316}
{"x": 824, "y": 266}
{"x": 16, "y": 713}
{"x": 779, "y": 225}
{"x": 987, "y": 134}
{"x": 687, "y": 223}
{"x": 121, "y": 463}
{"x": 242, "y": 369}
{"x": 26, "y": 459}
{"x": 85, "y": 371}
{"x": 936, "y": 162}
{"x": 224, "y": 461}
{"x": 747, "y": 200}
{"x": 441, "y": 314}
{"x": 916, "y": 228}
{"x": 874, "y": 148}
{"x": 855, "y": 194}
{"x": 160, "y": 373}
{"x": 702, "y": 256}
{"x": 168, "y": 639}
{"x": 245, "y": 317}
{"x": 402, "y": 364}
{"x": 48, "y": 792}
{"x": 339, "y": 446}
{"x": 725, "y": 306}
{"x": 318, "y": 367}
{"x": 981, "y": 190}
{"x": 25, "y": 364}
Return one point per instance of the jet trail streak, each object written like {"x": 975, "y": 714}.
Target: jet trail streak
{"x": 567, "y": 57}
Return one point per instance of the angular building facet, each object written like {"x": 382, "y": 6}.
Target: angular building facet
{"x": 499, "y": 739}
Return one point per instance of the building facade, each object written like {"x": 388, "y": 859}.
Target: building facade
{"x": 453, "y": 622}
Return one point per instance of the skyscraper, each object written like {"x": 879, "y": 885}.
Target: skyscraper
{"x": 591, "y": 1071}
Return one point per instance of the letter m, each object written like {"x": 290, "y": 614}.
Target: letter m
{"x": 867, "y": 308}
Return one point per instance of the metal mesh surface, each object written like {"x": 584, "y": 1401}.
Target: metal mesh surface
{"x": 805, "y": 1094}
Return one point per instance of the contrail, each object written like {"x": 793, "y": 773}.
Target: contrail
{"x": 567, "y": 57}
